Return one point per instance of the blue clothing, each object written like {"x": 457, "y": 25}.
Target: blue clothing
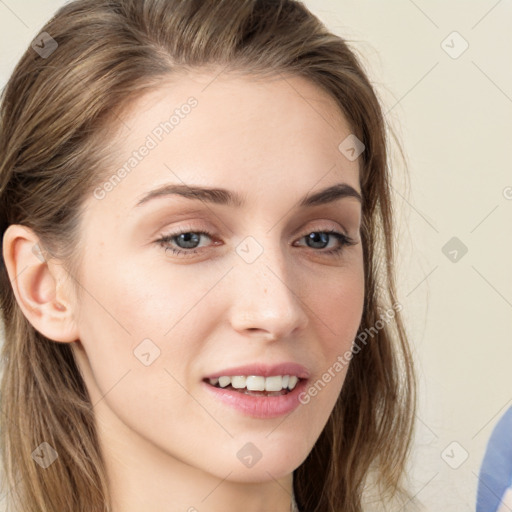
{"x": 496, "y": 470}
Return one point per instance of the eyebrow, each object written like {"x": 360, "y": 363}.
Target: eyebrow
{"x": 226, "y": 197}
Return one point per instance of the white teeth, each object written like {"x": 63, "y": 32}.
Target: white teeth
{"x": 257, "y": 382}
{"x": 274, "y": 383}
{"x": 224, "y": 381}
{"x": 292, "y": 382}
{"x": 238, "y": 382}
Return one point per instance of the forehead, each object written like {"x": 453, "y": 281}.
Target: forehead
{"x": 246, "y": 109}
{"x": 253, "y": 133}
{"x": 234, "y": 90}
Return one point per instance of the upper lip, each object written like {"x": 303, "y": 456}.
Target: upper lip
{"x": 287, "y": 368}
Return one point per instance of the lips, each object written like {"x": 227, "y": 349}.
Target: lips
{"x": 262, "y": 404}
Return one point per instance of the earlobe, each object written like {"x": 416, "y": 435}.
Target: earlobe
{"x": 36, "y": 284}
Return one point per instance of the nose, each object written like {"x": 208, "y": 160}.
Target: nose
{"x": 266, "y": 297}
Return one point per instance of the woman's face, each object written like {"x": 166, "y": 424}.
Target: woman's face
{"x": 160, "y": 313}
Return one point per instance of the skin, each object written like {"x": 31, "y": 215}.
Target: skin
{"x": 168, "y": 444}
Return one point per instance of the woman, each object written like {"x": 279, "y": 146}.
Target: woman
{"x": 197, "y": 280}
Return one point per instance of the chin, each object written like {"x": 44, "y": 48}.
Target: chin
{"x": 260, "y": 459}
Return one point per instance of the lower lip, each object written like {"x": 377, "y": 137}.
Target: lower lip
{"x": 259, "y": 406}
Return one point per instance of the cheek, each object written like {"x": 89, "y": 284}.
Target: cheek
{"x": 141, "y": 333}
{"x": 336, "y": 306}
{"x": 135, "y": 317}
{"x": 138, "y": 299}
{"x": 336, "y": 309}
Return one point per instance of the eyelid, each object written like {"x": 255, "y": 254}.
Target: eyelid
{"x": 186, "y": 228}
{"x": 325, "y": 225}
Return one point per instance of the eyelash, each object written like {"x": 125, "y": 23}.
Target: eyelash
{"x": 163, "y": 241}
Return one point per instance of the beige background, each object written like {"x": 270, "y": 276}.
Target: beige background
{"x": 454, "y": 116}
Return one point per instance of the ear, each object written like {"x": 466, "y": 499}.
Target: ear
{"x": 38, "y": 285}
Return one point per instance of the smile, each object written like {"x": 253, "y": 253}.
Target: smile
{"x": 275, "y": 383}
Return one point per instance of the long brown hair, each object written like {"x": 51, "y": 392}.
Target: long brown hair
{"x": 58, "y": 113}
